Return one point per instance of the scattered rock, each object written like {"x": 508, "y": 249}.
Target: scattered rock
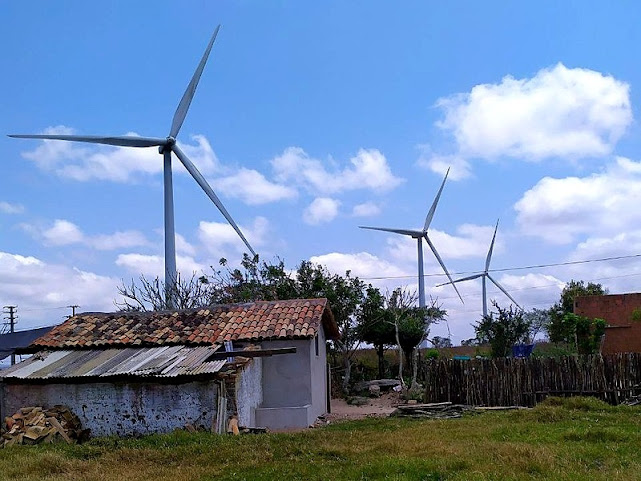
{"x": 383, "y": 384}
{"x": 374, "y": 390}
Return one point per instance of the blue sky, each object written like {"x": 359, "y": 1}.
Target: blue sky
{"x": 312, "y": 118}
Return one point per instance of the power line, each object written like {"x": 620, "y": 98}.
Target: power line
{"x": 518, "y": 268}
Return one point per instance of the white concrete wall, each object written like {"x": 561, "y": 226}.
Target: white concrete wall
{"x": 318, "y": 378}
{"x": 294, "y": 385}
{"x": 122, "y": 409}
{"x": 249, "y": 392}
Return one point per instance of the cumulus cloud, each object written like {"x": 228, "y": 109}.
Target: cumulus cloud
{"x": 253, "y": 188}
{"x": 563, "y": 112}
{"x": 8, "y": 208}
{"x": 83, "y": 162}
{"x": 154, "y": 266}
{"x": 64, "y": 232}
{"x": 570, "y": 112}
{"x": 368, "y": 169}
{"x": 367, "y": 209}
{"x": 221, "y": 240}
{"x": 40, "y": 289}
{"x": 459, "y": 167}
{"x": 321, "y": 210}
{"x": 600, "y": 204}
{"x": 470, "y": 241}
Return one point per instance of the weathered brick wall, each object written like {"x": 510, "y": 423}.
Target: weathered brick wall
{"x": 623, "y": 333}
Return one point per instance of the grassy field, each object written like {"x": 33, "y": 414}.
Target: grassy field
{"x": 576, "y": 439}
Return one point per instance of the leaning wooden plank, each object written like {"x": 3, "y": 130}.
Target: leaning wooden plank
{"x": 54, "y": 423}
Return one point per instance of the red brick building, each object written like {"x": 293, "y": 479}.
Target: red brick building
{"x": 622, "y": 312}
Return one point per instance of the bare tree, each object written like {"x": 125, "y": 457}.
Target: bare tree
{"x": 150, "y": 295}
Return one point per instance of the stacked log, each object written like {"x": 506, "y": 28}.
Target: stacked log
{"x": 34, "y": 425}
{"x": 445, "y": 410}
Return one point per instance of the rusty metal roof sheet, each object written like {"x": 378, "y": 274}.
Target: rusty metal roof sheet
{"x": 150, "y": 362}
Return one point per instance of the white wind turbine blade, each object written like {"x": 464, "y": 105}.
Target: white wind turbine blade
{"x": 185, "y": 101}
{"x": 504, "y": 291}
{"x": 121, "y": 140}
{"x": 430, "y": 214}
{"x": 440, "y": 261}
{"x": 412, "y": 233}
{"x": 489, "y": 252}
{"x": 462, "y": 279}
{"x": 198, "y": 177}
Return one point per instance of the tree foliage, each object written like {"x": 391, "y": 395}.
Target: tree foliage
{"x": 585, "y": 332}
{"x": 556, "y": 329}
{"x": 502, "y": 330}
{"x": 255, "y": 281}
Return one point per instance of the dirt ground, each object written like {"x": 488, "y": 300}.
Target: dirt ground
{"x": 377, "y": 407}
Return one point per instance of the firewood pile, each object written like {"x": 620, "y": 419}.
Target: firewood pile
{"x": 444, "y": 410}
{"x": 34, "y": 425}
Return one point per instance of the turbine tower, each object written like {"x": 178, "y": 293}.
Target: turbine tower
{"x": 419, "y": 235}
{"x": 485, "y": 274}
{"x": 165, "y": 146}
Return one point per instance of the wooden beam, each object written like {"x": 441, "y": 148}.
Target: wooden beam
{"x": 258, "y": 353}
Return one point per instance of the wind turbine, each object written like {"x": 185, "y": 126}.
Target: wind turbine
{"x": 165, "y": 146}
{"x": 419, "y": 235}
{"x": 485, "y": 274}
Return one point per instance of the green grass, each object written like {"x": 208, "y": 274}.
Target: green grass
{"x": 573, "y": 439}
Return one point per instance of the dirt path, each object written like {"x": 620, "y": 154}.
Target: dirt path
{"x": 377, "y": 407}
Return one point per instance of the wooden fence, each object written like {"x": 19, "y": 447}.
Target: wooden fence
{"x": 524, "y": 382}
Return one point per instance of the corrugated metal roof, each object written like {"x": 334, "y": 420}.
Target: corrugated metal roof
{"x": 161, "y": 362}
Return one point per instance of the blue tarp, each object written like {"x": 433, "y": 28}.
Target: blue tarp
{"x": 522, "y": 350}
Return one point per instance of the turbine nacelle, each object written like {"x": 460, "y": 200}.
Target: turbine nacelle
{"x": 165, "y": 147}
{"x": 419, "y": 235}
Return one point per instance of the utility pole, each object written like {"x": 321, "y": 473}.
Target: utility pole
{"x": 12, "y": 317}
{"x": 73, "y": 310}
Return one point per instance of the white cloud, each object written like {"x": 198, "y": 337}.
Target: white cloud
{"x": 471, "y": 241}
{"x": 601, "y": 204}
{"x": 40, "y": 289}
{"x": 459, "y": 167}
{"x": 154, "y": 266}
{"x": 560, "y": 112}
{"x": 367, "y": 170}
{"x": 253, "y": 188}
{"x": 83, "y": 162}
{"x": 321, "y": 210}
{"x": 8, "y": 208}
{"x": 361, "y": 264}
{"x": 118, "y": 240}
{"x": 220, "y": 239}
{"x": 183, "y": 246}
{"x": 367, "y": 209}
{"x": 62, "y": 233}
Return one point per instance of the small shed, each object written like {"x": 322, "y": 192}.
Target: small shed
{"x": 131, "y": 373}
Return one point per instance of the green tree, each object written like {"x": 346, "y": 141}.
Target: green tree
{"x": 254, "y": 281}
{"x": 586, "y": 333}
{"x": 374, "y": 326}
{"x": 556, "y": 329}
{"x": 411, "y": 325}
{"x": 502, "y": 330}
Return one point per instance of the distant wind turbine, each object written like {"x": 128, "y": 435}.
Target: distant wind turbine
{"x": 419, "y": 235}
{"x": 165, "y": 147}
{"x": 485, "y": 274}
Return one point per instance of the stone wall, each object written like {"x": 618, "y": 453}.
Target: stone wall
{"x": 122, "y": 408}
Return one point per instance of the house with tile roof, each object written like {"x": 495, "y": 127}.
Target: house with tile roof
{"x": 132, "y": 373}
